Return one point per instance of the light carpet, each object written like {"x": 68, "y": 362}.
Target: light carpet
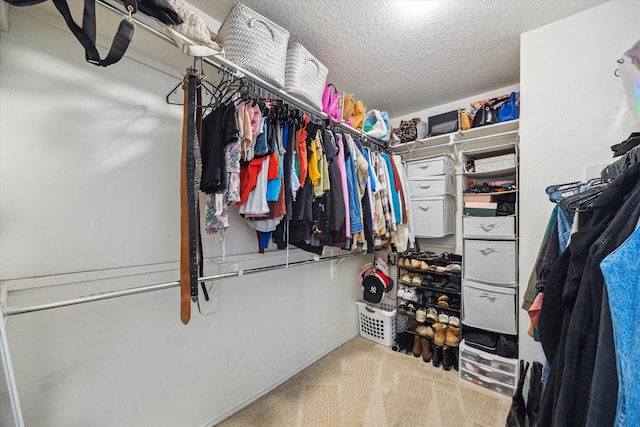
{"x": 362, "y": 383}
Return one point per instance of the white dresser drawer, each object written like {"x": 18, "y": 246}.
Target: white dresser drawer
{"x": 498, "y": 227}
{"x": 490, "y": 261}
{"x": 431, "y": 186}
{"x": 434, "y": 216}
{"x": 492, "y": 308}
{"x": 441, "y": 165}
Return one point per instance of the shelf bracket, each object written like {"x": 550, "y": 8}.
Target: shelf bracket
{"x": 335, "y": 268}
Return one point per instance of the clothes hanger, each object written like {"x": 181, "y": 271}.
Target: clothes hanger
{"x": 583, "y": 201}
{"x": 201, "y": 82}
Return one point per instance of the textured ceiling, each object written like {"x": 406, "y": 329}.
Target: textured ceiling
{"x": 405, "y": 56}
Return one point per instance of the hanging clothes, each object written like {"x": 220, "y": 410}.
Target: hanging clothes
{"x": 574, "y": 323}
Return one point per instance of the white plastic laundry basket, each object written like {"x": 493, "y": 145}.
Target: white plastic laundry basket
{"x": 377, "y": 321}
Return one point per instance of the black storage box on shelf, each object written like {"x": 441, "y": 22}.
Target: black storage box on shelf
{"x": 444, "y": 123}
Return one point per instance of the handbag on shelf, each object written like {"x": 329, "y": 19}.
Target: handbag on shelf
{"x": 193, "y": 37}
{"x": 348, "y": 108}
{"x": 377, "y": 125}
{"x": 331, "y": 103}
{"x": 411, "y": 130}
{"x": 486, "y": 115}
{"x": 255, "y": 43}
{"x": 305, "y": 76}
{"x": 509, "y": 109}
{"x": 465, "y": 119}
{"x": 86, "y": 35}
{"x": 357, "y": 118}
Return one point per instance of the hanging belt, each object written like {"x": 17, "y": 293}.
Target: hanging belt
{"x": 188, "y": 245}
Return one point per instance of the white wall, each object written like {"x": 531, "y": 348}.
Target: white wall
{"x": 89, "y": 195}
{"x": 573, "y": 110}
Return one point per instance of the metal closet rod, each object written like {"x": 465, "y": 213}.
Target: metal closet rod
{"x": 240, "y": 73}
{"x": 10, "y": 311}
{"x": 464, "y": 141}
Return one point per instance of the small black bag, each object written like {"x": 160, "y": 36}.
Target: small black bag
{"x": 507, "y": 346}
{"x": 86, "y": 35}
{"x": 486, "y": 115}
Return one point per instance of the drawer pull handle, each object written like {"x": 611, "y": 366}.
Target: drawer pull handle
{"x": 487, "y": 227}
{"x": 488, "y": 296}
{"x": 425, "y": 186}
{"x": 487, "y": 251}
{"x": 424, "y": 209}
{"x": 425, "y": 166}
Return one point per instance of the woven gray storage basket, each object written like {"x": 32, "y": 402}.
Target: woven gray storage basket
{"x": 305, "y": 76}
{"x": 255, "y": 43}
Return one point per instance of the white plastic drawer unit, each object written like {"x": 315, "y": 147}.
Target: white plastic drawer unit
{"x": 441, "y": 165}
{"x": 434, "y": 216}
{"x": 431, "y": 186}
{"x": 490, "y": 261}
{"x": 492, "y": 308}
{"x": 499, "y": 227}
{"x": 488, "y": 370}
{"x": 493, "y": 361}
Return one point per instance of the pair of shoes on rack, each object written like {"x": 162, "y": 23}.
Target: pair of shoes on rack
{"x": 432, "y": 314}
{"x": 446, "y": 335}
{"x": 422, "y": 347}
{"x": 421, "y": 314}
{"x": 425, "y": 331}
{"x": 443, "y": 301}
{"x": 407, "y": 293}
{"x": 411, "y": 279}
{"x": 449, "y": 320}
{"x": 404, "y": 342}
{"x": 407, "y": 309}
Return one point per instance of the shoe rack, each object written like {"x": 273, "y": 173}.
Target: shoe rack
{"x": 429, "y": 297}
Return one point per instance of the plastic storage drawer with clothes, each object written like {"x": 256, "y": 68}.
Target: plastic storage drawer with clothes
{"x": 487, "y": 383}
{"x": 488, "y": 370}
{"x": 493, "y": 361}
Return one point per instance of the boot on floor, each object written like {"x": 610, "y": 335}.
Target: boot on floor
{"x": 426, "y": 350}
{"x": 448, "y": 358}
{"x": 437, "y": 356}
{"x": 417, "y": 346}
